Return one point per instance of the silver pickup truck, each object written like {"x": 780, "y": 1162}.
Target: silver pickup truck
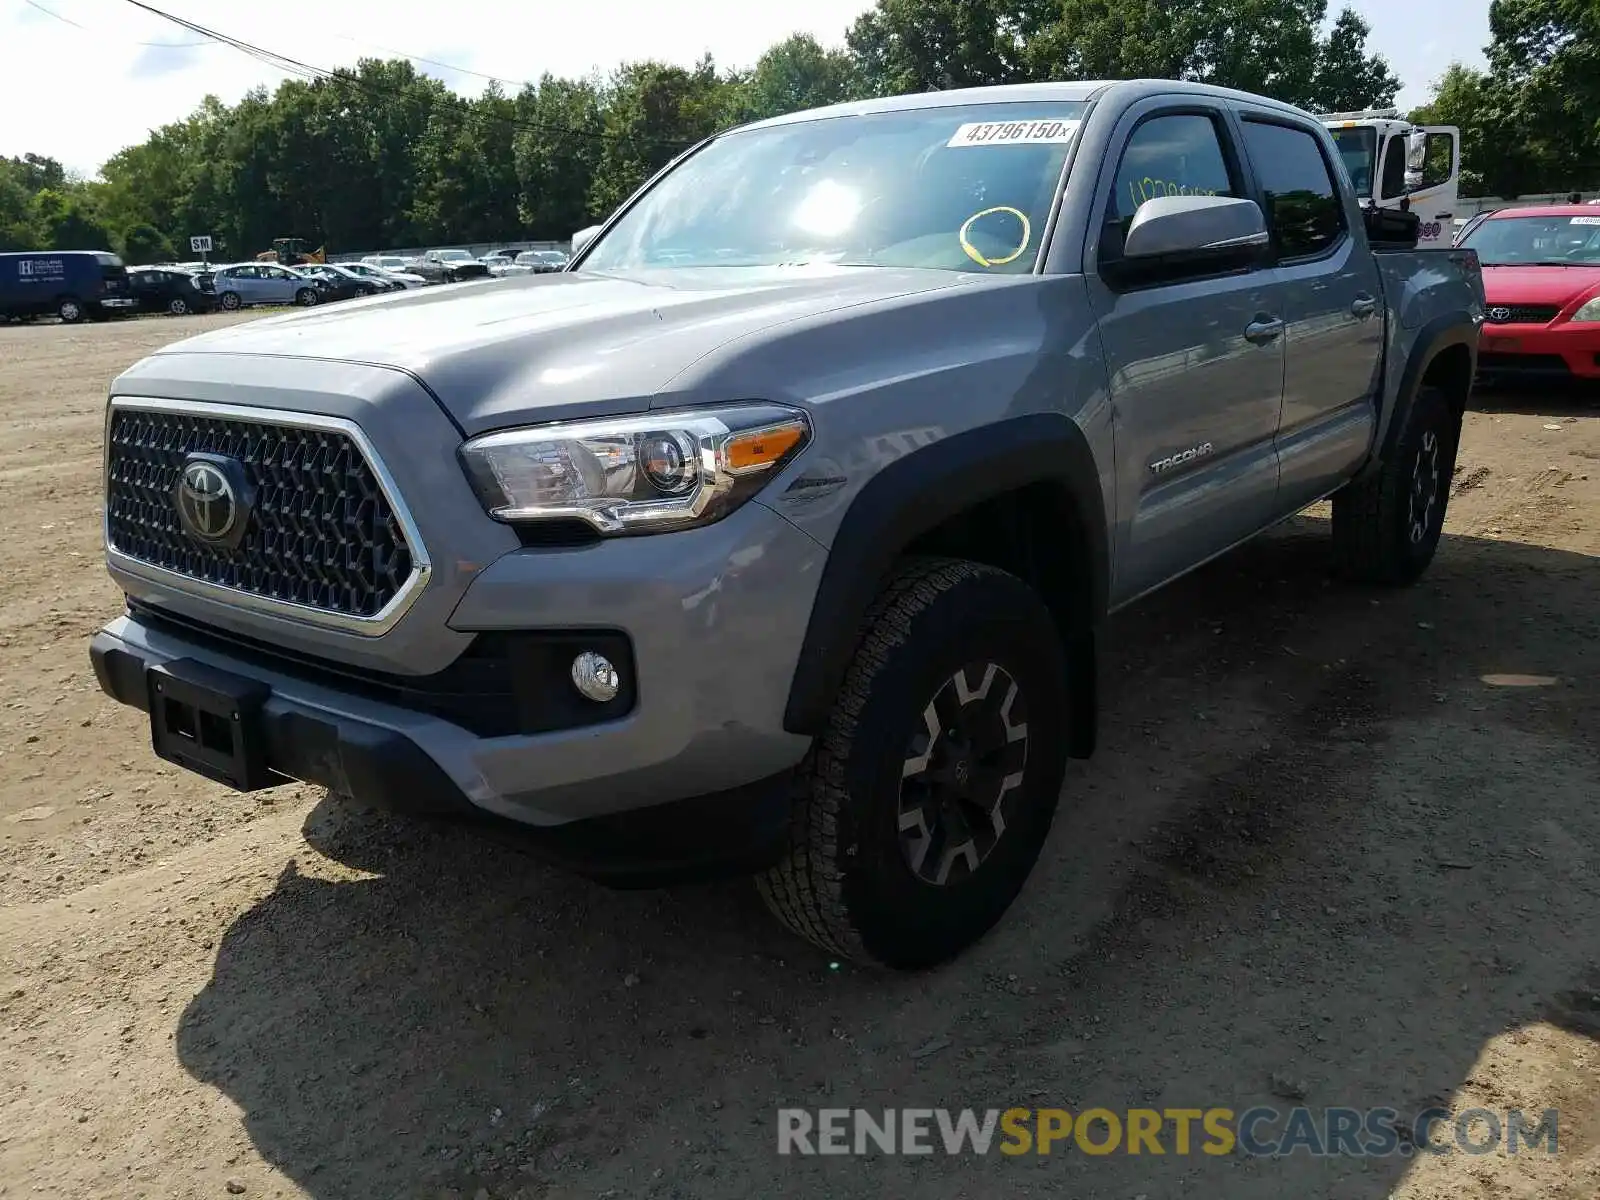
{"x": 774, "y": 534}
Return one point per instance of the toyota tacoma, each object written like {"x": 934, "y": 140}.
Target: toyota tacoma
{"x": 775, "y": 534}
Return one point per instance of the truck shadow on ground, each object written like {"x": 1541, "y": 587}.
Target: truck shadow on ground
{"x": 1327, "y": 848}
{"x": 1556, "y": 398}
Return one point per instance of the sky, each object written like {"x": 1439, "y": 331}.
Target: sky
{"x": 98, "y": 75}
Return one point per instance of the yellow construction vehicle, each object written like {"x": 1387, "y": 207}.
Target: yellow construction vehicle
{"x": 290, "y": 252}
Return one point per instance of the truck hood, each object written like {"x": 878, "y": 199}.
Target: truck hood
{"x": 1539, "y": 285}
{"x": 554, "y": 347}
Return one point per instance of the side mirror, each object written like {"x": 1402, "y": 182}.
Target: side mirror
{"x": 582, "y": 238}
{"x": 1194, "y": 233}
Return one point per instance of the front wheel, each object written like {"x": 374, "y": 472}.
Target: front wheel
{"x": 70, "y": 310}
{"x": 306, "y": 297}
{"x": 1386, "y": 528}
{"x": 921, "y": 810}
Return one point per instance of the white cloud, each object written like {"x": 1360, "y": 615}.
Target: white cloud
{"x": 80, "y": 92}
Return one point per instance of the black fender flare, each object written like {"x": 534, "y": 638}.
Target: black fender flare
{"x": 1432, "y": 339}
{"x": 915, "y": 494}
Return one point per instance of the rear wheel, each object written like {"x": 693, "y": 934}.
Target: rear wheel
{"x": 70, "y": 309}
{"x": 177, "y": 306}
{"x": 1386, "y": 528}
{"x": 230, "y": 301}
{"x": 919, "y": 813}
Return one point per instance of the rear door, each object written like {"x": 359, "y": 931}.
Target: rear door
{"x": 1195, "y": 363}
{"x": 245, "y": 280}
{"x": 1324, "y": 283}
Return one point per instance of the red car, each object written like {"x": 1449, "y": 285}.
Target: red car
{"x": 1541, "y": 279}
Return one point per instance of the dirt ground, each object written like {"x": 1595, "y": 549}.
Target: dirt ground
{"x": 1336, "y": 843}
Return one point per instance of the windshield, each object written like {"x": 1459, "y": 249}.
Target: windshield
{"x": 452, "y": 255}
{"x": 958, "y": 189}
{"x": 1536, "y": 241}
{"x": 1358, "y": 150}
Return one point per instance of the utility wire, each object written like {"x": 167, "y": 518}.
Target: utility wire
{"x": 293, "y": 66}
{"x": 50, "y": 12}
{"x": 519, "y": 84}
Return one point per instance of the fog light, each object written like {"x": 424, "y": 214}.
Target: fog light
{"x": 595, "y": 677}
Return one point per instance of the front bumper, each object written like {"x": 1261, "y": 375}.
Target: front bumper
{"x": 375, "y": 755}
{"x": 1562, "y": 351}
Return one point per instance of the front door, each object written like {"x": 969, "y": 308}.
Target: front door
{"x": 1195, "y": 364}
{"x": 280, "y": 285}
{"x": 1324, "y": 282}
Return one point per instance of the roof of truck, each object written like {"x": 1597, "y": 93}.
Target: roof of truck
{"x": 1024, "y": 93}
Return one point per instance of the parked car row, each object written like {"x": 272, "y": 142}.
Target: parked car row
{"x": 455, "y": 266}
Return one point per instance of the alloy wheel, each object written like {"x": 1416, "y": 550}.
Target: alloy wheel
{"x": 960, "y": 771}
{"x": 1424, "y": 487}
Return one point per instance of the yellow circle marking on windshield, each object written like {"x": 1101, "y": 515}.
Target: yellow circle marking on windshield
{"x": 971, "y": 251}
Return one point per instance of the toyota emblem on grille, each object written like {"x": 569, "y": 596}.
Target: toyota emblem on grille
{"x": 1499, "y": 313}
{"x": 212, "y": 500}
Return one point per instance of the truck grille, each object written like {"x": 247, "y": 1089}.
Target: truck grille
{"x": 320, "y": 534}
{"x": 1522, "y": 314}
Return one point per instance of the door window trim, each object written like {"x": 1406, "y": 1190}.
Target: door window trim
{"x": 1316, "y": 134}
{"x": 1234, "y": 162}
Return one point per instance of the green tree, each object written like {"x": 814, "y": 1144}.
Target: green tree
{"x": 145, "y": 244}
{"x": 557, "y": 149}
{"x": 653, "y": 112}
{"x": 68, "y": 223}
{"x": 1271, "y": 47}
{"x": 1346, "y": 76}
{"x": 18, "y": 228}
{"x": 1544, "y": 64}
{"x": 798, "y": 73}
{"x": 926, "y": 45}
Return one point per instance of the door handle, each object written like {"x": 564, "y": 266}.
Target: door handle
{"x": 1263, "y": 331}
{"x": 1364, "y": 306}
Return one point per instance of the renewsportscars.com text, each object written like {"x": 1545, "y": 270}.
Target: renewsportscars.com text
{"x": 1255, "y": 1132}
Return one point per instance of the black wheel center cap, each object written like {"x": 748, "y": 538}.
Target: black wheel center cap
{"x": 961, "y": 771}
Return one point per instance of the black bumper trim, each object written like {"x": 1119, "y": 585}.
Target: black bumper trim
{"x": 727, "y": 833}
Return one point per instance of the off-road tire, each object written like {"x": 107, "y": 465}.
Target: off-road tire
{"x": 1380, "y": 532}
{"x": 844, "y": 882}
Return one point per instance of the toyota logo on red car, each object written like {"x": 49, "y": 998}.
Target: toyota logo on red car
{"x": 1541, "y": 278}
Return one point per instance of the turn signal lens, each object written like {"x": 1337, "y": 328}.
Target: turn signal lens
{"x": 760, "y": 448}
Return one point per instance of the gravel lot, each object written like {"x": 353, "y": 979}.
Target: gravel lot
{"x": 1335, "y": 839}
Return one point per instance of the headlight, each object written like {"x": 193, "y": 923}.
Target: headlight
{"x": 1590, "y": 311}
{"x": 635, "y": 474}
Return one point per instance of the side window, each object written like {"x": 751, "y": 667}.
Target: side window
{"x": 1440, "y": 160}
{"x": 1394, "y": 167}
{"x": 1176, "y": 155}
{"x": 1304, "y": 210}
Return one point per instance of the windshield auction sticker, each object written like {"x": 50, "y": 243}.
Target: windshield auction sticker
{"x": 1014, "y": 133}
{"x": 1583, "y": 220}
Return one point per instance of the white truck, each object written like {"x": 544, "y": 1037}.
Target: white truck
{"x": 1395, "y": 164}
